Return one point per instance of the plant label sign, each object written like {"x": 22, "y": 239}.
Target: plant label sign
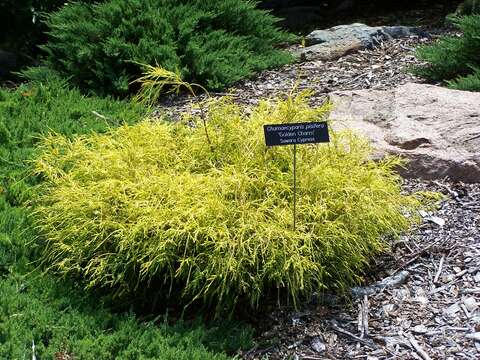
{"x": 296, "y": 133}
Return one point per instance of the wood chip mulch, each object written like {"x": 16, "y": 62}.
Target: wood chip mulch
{"x": 427, "y": 307}
{"x": 384, "y": 67}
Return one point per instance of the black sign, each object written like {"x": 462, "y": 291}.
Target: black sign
{"x": 296, "y": 133}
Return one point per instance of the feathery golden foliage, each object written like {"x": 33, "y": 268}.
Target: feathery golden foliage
{"x": 153, "y": 202}
{"x": 156, "y": 80}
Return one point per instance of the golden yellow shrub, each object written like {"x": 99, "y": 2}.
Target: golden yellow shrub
{"x": 158, "y": 202}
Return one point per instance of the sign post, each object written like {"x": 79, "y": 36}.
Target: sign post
{"x": 293, "y": 134}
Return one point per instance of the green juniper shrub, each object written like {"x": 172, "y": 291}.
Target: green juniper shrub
{"x": 470, "y": 82}
{"x": 63, "y": 322}
{"x": 34, "y": 109}
{"x": 452, "y": 58}
{"x": 26, "y": 114}
{"x": 203, "y": 210}
{"x": 214, "y": 43}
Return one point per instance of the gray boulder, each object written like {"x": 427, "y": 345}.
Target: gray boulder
{"x": 330, "y": 51}
{"x": 319, "y": 41}
{"x": 436, "y": 129}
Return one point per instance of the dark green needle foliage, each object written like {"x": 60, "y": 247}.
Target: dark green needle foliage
{"x": 454, "y": 59}
{"x": 470, "y": 82}
{"x": 63, "y": 323}
{"x": 213, "y": 43}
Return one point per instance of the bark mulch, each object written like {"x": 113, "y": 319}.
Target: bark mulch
{"x": 425, "y": 303}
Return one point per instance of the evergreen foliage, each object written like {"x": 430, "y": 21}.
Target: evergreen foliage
{"x": 64, "y": 323}
{"x": 214, "y": 43}
{"x": 26, "y": 114}
{"x": 34, "y": 109}
{"x": 452, "y": 57}
{"x": 58, "y": 317}
{"x": 469, "y": 83}
{"x": 207, "y": 210}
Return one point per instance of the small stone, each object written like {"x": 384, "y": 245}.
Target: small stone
{"x": 471, "y": 304}
{"x": 317, "y": 344}
{"x": 452, "y": 309}
{"x": 420, "y": 329}
{"x": 477, "y": 277}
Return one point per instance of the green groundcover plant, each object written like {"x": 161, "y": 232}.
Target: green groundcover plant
{"x": 211, "y": 42}
{"x": 63, "y": 323}
{"x": 454, "y": 59}
{"x": 34, "y": 109}
{"x": 55, "y": 315}
{"x": 206, "y": 210}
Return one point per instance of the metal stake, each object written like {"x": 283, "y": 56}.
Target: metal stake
{"x": 294, "y": 186}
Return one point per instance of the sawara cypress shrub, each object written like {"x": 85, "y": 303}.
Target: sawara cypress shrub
{"x": 203, "y": 209}
{"x": 454, "y": 59}
{"x": 210, "y": 42}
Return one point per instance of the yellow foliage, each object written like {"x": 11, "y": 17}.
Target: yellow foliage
{"x": 156, "y": 80}
{"x": 157, "y": 203}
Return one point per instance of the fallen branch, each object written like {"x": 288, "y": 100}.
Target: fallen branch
{"x": 97, "y": 114}
{"x": 419, "y": 349}
{"x": 370, "y": 344}
{"x": 419, "y": 253}
{"x": 388, "y": 282}
{"x": 439, "y": 271}
{"x": 363, "y": 317}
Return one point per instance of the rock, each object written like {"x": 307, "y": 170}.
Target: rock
{"x": 369, "y": 36}
{"x": 436, "y": 129}
{"x": 452, "y": 310}
{"x": 329, "y": 51}
{"x": 343, "y": 39}
{"x": 318, "y": 345}
{"x": 365, "y": 34}
{"x": 470, "y": 304}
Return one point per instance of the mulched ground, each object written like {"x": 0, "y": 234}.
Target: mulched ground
{"x": 384, "y": 67}
{"x": 429, "y": 309}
